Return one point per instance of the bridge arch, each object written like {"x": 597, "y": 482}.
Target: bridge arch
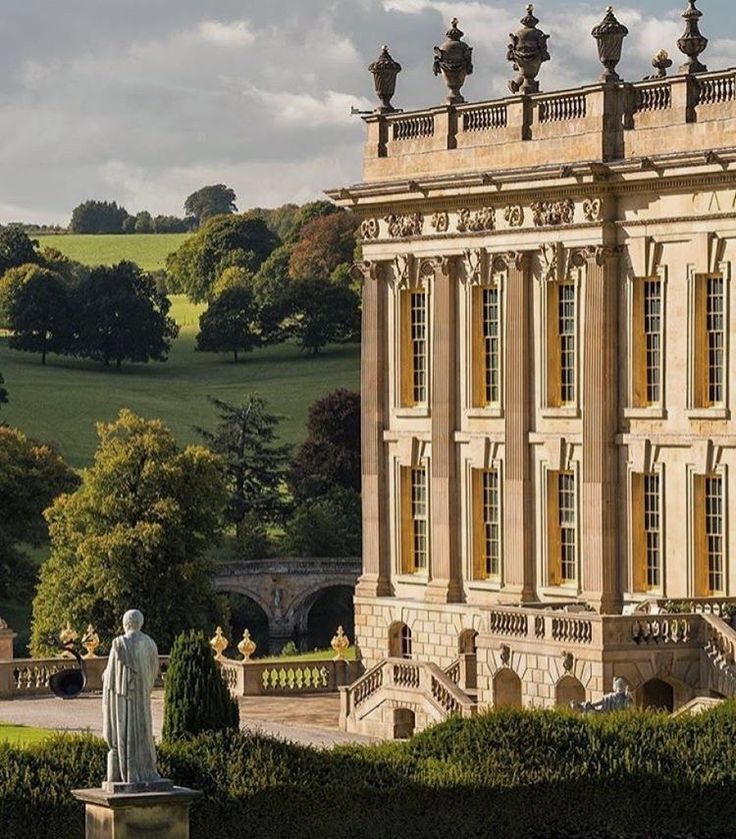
{"x": 320, "y": 610}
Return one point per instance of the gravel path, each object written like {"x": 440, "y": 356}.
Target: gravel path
{"x": 310, "y": 720}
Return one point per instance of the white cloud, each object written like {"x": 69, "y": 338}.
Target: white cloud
{"x": 306, "y": 111}
{"x": 236, "y": 33}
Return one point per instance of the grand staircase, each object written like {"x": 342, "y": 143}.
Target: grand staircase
{"x": 379, "y": 702}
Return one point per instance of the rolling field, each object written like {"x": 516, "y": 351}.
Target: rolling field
{"x": 62, "y": 402}
{"x": 149, "y": 251}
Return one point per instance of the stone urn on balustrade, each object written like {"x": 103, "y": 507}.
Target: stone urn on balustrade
{"x": 454, "y": 59}
{"x": 527, "y": 51}
{"x": 385, "y": 70}
{"x": 610, "y": 34}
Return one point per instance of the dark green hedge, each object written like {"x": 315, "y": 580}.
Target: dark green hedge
{"x": 505, "y": 774}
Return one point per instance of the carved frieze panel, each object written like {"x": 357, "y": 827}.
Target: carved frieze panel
{"x": 475, "y": 263}
{"x": 592, "y": 209}
{"x": 441, "y": 222}
{"x": 553, "y": 213}
{"x": 370, "y": 229}
{"x": 402, "y": 226}
{"x": 476, "y": 221}
{"x": 514, "y": 215}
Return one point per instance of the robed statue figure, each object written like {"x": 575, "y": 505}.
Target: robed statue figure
{"x": 127, "y": 727}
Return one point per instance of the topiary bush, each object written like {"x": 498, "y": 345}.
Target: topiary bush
{"x": 196, "y": 698}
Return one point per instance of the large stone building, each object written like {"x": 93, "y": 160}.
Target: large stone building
{"x": 549, "y": 448}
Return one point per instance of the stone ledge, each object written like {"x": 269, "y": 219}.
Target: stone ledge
{"x": 118, "y": 800}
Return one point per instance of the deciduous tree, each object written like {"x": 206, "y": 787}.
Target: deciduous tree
{"x": 40, "y": 314}
{"x": 324, "y": 244}
{"x": 17, "y": 248}
{"x": 323, "y": 312}
{"x": 242, "y": 241}
{"x": 230, "y": 323}
{"x": 211, "y": 201}
{"x": 98, "y": 217}
{"x": 135, "y": 532}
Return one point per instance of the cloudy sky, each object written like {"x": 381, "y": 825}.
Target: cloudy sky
{"x": 143, "y": 101}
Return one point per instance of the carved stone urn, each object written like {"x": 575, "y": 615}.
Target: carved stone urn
{"x": 527, "y": 51}
{"x": 340, "y": 643}
{"x": 610, "y": 34}
{"x": 385, "y": 70}
{"x": 692, "y": 43}
{"x": 247, "y": 646}
{"x": 90, "y": 642}
{"x": 219, "y": 643}
{"x": 454, "y": 59}
{"x": 661, "y": 63}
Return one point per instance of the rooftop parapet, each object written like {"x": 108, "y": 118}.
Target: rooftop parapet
{"x": 602, "y": 122}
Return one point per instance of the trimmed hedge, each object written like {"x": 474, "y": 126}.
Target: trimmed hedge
{"x": 539, "y": 774}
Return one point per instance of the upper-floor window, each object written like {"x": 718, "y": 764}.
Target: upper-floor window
{"x": 646, "y": 521}
{"x": 716, "y": 339}
{"x": 653, "y": 341}
{"x": 710, "y": 557}
{"x": 562, "y": 344}
{"x": 562, "y": 527}
{"x": 709, "y": 334}
{"x": 414, "y": 347}
{"x": 486, "y": 346}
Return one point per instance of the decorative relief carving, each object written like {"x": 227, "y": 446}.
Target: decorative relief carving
{"x": 553, "y": 213}
{"x": 370, "y": 229}
{"x": 568, "y": 661}
{"x": 550, "y": 257}
{"x": 441, "y": 222}
{"x": 364, "y": 271}
{"x": 475, "y": 266}
{"x": 399, "y": 227}
{"x": 505, "y": 652}
{"x": 592, "y": 208}
{"x": 476, "y": 222}
{"x": 404, "y": 270}
{"x": 514, "y": 215}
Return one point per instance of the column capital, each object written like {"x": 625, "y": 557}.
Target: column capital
{"x": 599, "y": 255}
{"x": 367, "y": 271}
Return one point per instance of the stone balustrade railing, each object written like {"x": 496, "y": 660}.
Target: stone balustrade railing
{"x": 21, "y": 678}
{"x": 463, "y": 672}
{"x": 719, "y": 642}
{"x": 254, "y": 678}
{"x": 608, "y": 123}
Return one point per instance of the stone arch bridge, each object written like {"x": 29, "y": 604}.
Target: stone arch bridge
{"x": 293, "y": 595}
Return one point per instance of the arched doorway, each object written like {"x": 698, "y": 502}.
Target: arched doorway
{"x": 658, "y": 695}
{"x": 466, "y": 642}
{"x": 332, "y": 607}
{"x": 506, "y": 689}
{"x": 569, "y": 690}
{"x": 404, "y": 723}
{"x": 399, "y": 641}
{"x": 245, "y": 613}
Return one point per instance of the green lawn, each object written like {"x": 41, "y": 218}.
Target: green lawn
{"x": 148, "y": 250}
{"x": 303, "y": 658}
{"x": 62, "y": 402}
{"x": 21, "y": 735}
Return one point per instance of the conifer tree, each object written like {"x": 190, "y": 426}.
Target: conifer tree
{"x": 196, "y": 698}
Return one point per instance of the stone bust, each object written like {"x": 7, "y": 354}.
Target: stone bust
{"x": 127, "y": 726}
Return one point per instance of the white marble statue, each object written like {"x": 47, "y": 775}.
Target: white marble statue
{"x": 126, "y": 708}
{"x": 619, "y": 700}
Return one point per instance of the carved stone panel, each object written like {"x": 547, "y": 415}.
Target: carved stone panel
{"x": 476, "y": 221}
{"x": 553, "y": 213}
{"x": 402, "y": 226}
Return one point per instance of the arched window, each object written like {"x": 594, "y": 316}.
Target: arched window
{"x": 568, "y": 690}
{"x": 399, "y": 641}
{"x": 506, "y": 689}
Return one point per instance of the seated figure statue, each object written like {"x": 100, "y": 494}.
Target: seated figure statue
{"x": 620, "y": 700}
{"x": 126, "y": 710}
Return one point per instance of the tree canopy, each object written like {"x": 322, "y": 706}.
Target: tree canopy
{"x": 40, "y": 314}
{"x": 16, "y": 248}
{"x": 122, "y": 316}
{"x": 32, "y": 475}
{"x": 133, "y": 535}
{"x": 323, "y": 312}
{"x": 324, "y": 244}
{"x": 230, "y": 323}
{"x": 211, "y": 201}
{"x": 244, "y": 241}
{"x": 98, "y": 217}
{"x": 3, "y": 391}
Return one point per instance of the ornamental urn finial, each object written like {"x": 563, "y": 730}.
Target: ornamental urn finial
{"x": 385, "y": 70}
{"x": 692, "y": 43}
{"x": 454, "y": 59}
{"x": 90, "y": 642}
{"x": 247, "y": 646}
{"x": 527, "y": 51}
{"x": 661, "y": 63}
{"x": 340, "y": 643}
{"x": 219, "y": 643}
{"x": 610, "y": 34}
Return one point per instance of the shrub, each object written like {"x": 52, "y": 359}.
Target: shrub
{"x": 196, "y": 698}
{"x": 326, "y": 526}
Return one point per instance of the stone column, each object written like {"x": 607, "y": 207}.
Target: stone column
{"x": 598, "y": 497}
{"x": 445, "y": 584}
{"x": 133, "y": 815}
{"x": 518, "y": 517}
{"x": 376, "y": 578}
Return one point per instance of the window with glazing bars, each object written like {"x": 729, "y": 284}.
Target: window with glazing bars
{"x": 492, "y": 523}
{"x": 566, "y": 511}
{"x": 652, "y": 532}
{"x": 714, "y": 532}
{"x": 653, "y": 340}
{"x": 566, "y": 332}
{"x": 418, "y": 337}
{"x": 716, "y": 339}
{"x": 491, "y": 346}
{"x": 419, "y": 518}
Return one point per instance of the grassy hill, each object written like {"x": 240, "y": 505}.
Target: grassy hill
{"x": 149, "y": 251}
{"x": 62, "y": 401}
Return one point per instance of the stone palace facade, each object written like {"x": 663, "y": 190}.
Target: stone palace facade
{"x": 549, "y": 447}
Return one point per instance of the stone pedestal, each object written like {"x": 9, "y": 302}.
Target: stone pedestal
{"x": 155, "y": 815}
{"x": 7, "y": 636}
